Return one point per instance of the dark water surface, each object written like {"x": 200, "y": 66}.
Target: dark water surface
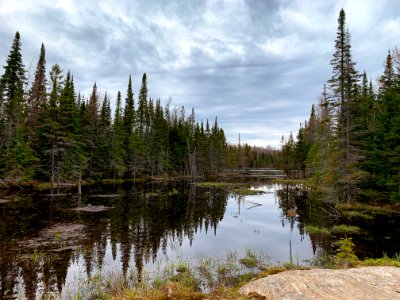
{"x": 154, "y": 223}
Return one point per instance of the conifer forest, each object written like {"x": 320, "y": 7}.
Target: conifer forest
{"x": 121, "y": 194}
{"x": 51, "y": 133}
{"x": 349, "y": 147}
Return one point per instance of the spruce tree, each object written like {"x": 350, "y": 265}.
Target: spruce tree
{"x": 142, "y": 111}
{"x": 91, "y": 130}
{"x": 344, "y": 88}
{"x": 12, "y": 88}
{"x": 37, "y": 98}
{"x": 102, "y": 154}
{"x": 51, "y": 144}
{"x": 387, "y": 80}
{"x": 117, "y": 166}
{"x": 129, "y": 112}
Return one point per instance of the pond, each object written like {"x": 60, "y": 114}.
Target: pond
{"x": 51, "y": 242}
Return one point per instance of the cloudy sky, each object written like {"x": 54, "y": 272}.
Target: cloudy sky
{"x": 256, "y": 64}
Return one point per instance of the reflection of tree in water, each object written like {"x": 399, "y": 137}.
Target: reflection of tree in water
{"x": 298, "y": 207}
{"x": 142, "y": 222}
{"x": 152, "y": 223}
{"x": 287, "y": 197}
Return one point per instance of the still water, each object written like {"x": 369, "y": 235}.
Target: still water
{"x": 48, "y": 248}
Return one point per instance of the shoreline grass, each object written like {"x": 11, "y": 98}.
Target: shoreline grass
{"x": 218, "y": 278}
{"x": 345, "y": 229}
{"x": 316, "y": 230}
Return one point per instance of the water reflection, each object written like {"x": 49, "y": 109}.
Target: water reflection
{"x": 46, "y": 247}
{"x": 144, "y": 219}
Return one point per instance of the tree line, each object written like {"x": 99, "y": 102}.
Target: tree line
{"x": 49, "y": 132}
{"x": 55, "y": 134}
{"x": 350, "y": 145}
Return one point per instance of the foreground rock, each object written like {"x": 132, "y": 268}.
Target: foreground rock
{"x": 360, "y": 283}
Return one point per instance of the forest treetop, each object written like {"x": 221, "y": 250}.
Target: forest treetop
{"x": 50, "y": 132}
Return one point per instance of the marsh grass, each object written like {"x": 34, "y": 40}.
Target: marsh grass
{"x": 316, "y": 230}
{"x": 357, "y": 214}
{"x": 346, "y": 229}
{"x": 153, "y": 194}
{"x": 209, "y": 278}
{"x": 290, "y": 181}
{"x": 385, "y": 260}
{"x": 42, "y": 186}
{"x": 243, "y": 191}
{"x": 215, "y": 184}
{"x": 250, "y": 260}
{"x": 367, "y": 208}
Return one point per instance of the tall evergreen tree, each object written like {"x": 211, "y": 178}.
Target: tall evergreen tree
{"x": 102, "y": 153}
{"x": 12, "y": 88}
{"x": 387, "y": 80}
{"x": 343, "y": 85}
{"x": 37, "y": 98}
{"x": 142, "y": 111}
{"x": 117, "y": 166}
{"x": 129, "y": 112}
{"x": 50, "y": 133}
{"x": 91, "y": 130}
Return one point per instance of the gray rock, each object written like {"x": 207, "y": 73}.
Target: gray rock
{"x": 359, "y": 283}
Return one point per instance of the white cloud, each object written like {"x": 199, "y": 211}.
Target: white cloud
{"x": 258, "y": 65}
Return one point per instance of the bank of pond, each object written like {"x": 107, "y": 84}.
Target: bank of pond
{"x": 53, "y": 243}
